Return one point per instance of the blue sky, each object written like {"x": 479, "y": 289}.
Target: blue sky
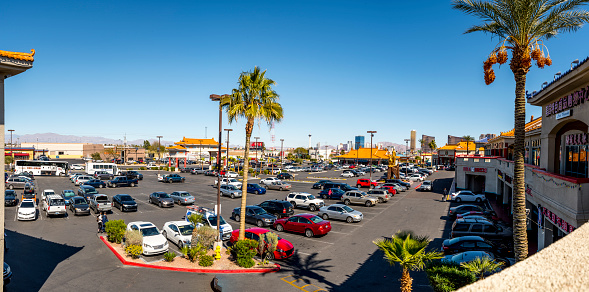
{"x": 147, "y": 68}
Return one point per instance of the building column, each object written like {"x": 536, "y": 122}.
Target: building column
{"x": 547, "y": 152}
{"x": 2, "y": 186}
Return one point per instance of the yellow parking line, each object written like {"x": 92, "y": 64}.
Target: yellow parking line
{"x": 304, "y": 287}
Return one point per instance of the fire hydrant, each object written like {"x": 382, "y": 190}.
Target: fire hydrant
{"x": 218, "y": 252}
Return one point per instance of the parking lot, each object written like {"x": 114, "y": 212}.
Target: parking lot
{"x": 64, "y": 252}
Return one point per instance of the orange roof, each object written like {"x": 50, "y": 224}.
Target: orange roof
{"x": 194, "y": 141}
{"x": 176, "y": 147}
{"x": 364, "y": 153}
{"x": 530, "y": 126}
{"x": 18, "y": 56}
{"x": 459, "y": 146}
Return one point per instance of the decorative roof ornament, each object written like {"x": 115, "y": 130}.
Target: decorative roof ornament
{"x": 18, "y": 55}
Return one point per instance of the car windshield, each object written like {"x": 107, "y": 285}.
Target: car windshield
{"x": 126, "y": 198}
{"x": 426, "y": 183}
{"x": 213, "y": 220}
{"x": 232, "y": 180}
{"x": 259, "y": 211}
{"x": 151, "y": 231}
{"x": 231, "y": 187}
{"x": 27, "y": 205}
{"x": 255, "y": 186}
{"x": 164, "y": 195}
{"x": 184, "y": 195}
{"x": 79, "y": 201}
{"x": 348, "y": 209}
{"x": 186, "y": 229}
{"x": 316, "y": 219}
{"x": 363, "y": 194}
{"x": 68, "y": 194}
{"x": 91, "y": 191}
{"x": 311, "y": 197}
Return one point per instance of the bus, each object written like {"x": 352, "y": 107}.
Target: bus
{"x": 92, "y": 167}
{"x": 41, "y": 167}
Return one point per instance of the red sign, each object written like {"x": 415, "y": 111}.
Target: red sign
{"x": 257, "y": 145}
{"x": 565, "y": 226}
{"x": 475, "y": 169}
{"x": 576, "y": 139}
{"x": 567, "y": 102}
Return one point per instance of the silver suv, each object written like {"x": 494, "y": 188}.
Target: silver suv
{"x": 381, "y": 194}
{"x": 358, "y": 197}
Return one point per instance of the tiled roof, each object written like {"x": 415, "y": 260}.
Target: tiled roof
{"x": 459, "y": 146}
{"x": 177, "y": 147}
{"x": 530, "y": 126}
{"x": 194, "y": 141}
{"x": 18, "y": 55}
{"x": 364, "y": 153}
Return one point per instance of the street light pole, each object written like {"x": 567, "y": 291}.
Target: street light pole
{"x": 281, "y": 153}
{"x": 407, "y": 154}
{"x": 227, "y": 155}
{"x": 257, "y": 162}
{"x": 371, "y": 135}
{"x": 11, "y": 155}
{"x": 215, "y": 97}
{"x": 159, "y": 157}
{"x": 200, "y": 154}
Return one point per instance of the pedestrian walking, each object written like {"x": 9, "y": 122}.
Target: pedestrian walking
{"x": 99, "y": 221}
{"x": 104, "y": 220}
{"x": 445, "y": 195}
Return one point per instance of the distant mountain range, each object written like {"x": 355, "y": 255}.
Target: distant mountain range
{"x": 57, "y": 138}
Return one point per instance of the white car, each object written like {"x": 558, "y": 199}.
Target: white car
{"x": 27, "y": 210}
{"x": 46, "y": 193}
{"x": 347, "y": 174}
{"x": 229, "y": 181}
{"x": 304, "y": 200}
{"x": 178, "y": 232}
{"x": 78, "y": 167}
{"x": 232, "y": 174}
{"x": 269, "y": 180}
{"x": 415, "y": 177}
{"x": 153, "y": 241}
{"x": 81, "y": 179}
{"x": 468, "y": 196}
{"x": 150, "y": 165}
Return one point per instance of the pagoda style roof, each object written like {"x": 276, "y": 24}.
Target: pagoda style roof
{"x": 18, "y": 55}
{"x": 530, "y": 126}
{"x": 364, "y": 153}
{"x": 193, "y": 141}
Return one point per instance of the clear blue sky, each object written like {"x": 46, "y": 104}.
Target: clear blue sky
{"x": 147, "y": 68}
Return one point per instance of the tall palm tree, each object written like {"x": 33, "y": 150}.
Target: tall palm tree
{"x": 409, "y": 252}
{"x": 522, "y": 26}
{"x": 253, "y": 99}
{"x": 433, "y": 146}
{"x": 467, "y": 139}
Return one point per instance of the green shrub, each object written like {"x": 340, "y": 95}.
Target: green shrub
{"x": 241, "y": 173}
{"x": 134, "y": 250}
{"x": 192, "y": 253}
{"x": 172, "y": 168}
{"x": 115, "y": 230}
{"x": 445, "y": 276}
{"x": 166, "y": 168}
{"x": 154, "y": 168}
{"x": 205, "y": 261}
{"x": 142, "y": 168}
{"x": 266, "y": 171}
{"x": 133, "y": 237}
{"x": 244, "y": 251}
{"x": 169, "y": 256}
{"x": 205, "y": 236}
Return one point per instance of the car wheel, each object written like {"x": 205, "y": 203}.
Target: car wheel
{"x": 325, "y": 216}
{"x": 232, "y": 196}
{"x": 294, "y": 204}
{"x": 309, "y": 233}
{"x": 358, "y": 186}
{"x": 458, "y": 200}
{"x": 368, "y": 203}
{"x": 347, "y": 202}
{"x": 256, "y": 192}
{"x": 349, "y": 219}
{"x": 380, "y": 200}
{"x": 165, "y": 234}
{"x": 132, "y": 184}
{"x": 478, "y": 200}
{"x": 323, "y": 196}
{"x": 280, "y": 189}
{"x": 279, "y": 227}
{"x": 170, "y": 181}
{"x": 260, "y": 223}
{"x": 270, "y": 256}
{"x": 161, "y": 206}
{"x": 237, "y": 217}
{"x": 11, "y": 187}
{"x": 312, "y": 208}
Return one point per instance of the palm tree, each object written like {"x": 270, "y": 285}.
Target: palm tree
{"x": 254, "y": 99}
{"x": 433, "y": 146}
{"x": 522, "y": 26}
{"x": 467, "y": 139}
{"x": 480, "y": 266}
{"x": 409, "y": 252}
{"x": 421, "y": 143}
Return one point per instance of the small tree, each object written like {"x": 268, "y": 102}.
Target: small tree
{"x": 481, "y": 265}
{"x": 8, "y": 160}
{"x": 96, "y": 156}
{"x": 115, "y": 230}
{"x": 133, "y": 237}
{"x": 267, "y": 245}
{"x": 205, "y": 236}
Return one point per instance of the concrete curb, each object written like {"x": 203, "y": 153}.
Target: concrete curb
{"x": 204, "y": 271}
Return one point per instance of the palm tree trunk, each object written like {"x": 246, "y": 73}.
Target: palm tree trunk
{"x": 406, "y": 281}
{"x": 249, "y": 126}
{"x": 520, "y": 236}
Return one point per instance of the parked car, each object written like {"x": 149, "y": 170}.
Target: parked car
{"x": 268, "y": 180}
{"x": 132, "y": 174}
{"x": 161, "y": 199}
{"x": 468, "y": 256}
{"x": 468, "y": 196}
{"x": 170, "y": 178}
{"x": 309, "y": 224}
{"x": 415, "y": 177}
{"x": 366, "y": 183}
{"x": 100, "y": 203}
{"x": 86, "y": 191}
{"x": 230, "y": 191}
{"x": 340, "y": 212}
{"x": 122, "y": 181}
{"x": 333, "y": 194}
{"x": 426, "y": 185}
{"x": 81, "y": 179}
{"x": 78, "y": 167}
{"x": 472, "y": 243}
{"x": 285, "y": 175}
{"x": 390, "y": 188}
{"x": 398, "y": 181}
{"x": 153, "y": 241}
{"x": 53, "y": 205}
{"x": 211, "y": 173}
{"x": 254, "y": 215}
{"x": 304, "y": 200}
{"x": 343, "y": 186}
{"x": 197, "y": 170}
{"x": 278, "y": 185}
{"x": 103, "y": 175}
{"x": 319, "y": 184}
{"x": 10, "y": 198}
{"x": 382, "y": 195}
{"x": 255, "y": 189}
{"x": 182, "y": 198}
{"x": 95, "y": 183}
{"x": 357, "y": 197}
{"x": 124, "y": 202}
{"x": 347, "y": 174}
{"x": 284, "y": 249}
{"x": 231, "y": 174}
{"x": 229, "y": 181}
{"x": 178, "y": 232}
{"x": 27, "y": 210}
{"x": 482, "y": 228}
{"x": 17, "y": 183}
{"x": 79, "y": 206}
{"x": 278, "y": 208}
{"x": 490, "y": 215}
{"x": 67, "y": 195}
{"x": 453, "y": 211}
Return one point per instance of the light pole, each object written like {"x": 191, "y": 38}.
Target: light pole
{"x": 159, "y": 157}
{"x": 11, "y": 155}
{"x": 257, "y": 162}
{"x": 215, "y": 97}
{"x": 371, "y": 135}
{"x": 200, "y": 153}
{"x": 406, "y": 154}
{"x": 281, "y": 153}
{"x": 227, "y": 156}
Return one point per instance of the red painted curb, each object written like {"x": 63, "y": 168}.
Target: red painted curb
{"x": 418, "y": 186}
{"x": 205, "y": 271}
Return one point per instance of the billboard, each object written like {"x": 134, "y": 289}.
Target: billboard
{"x": 257, "y": 145}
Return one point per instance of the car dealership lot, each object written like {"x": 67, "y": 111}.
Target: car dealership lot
{"x": 330, "y": 262}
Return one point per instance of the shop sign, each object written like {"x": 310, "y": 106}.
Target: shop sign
{"x": 568, "y": 102}
{"x": 475, "y": 169}
{"x": 529, "y": 191}
{"x": 576, "y": 139}
{"x": 564, "y": 114}
{"x": 557, "y": 221}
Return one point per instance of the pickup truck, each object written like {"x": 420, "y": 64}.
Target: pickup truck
{"x": 100, "y": 203}
{"x": 121, "y": 181}
{"x": 170, "y": 178}
{"x": 229, "y": 181}
{"x": 132, "y": 174}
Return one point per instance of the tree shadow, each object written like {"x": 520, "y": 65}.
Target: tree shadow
{"x": 306, "y": 268}
{"x": 32, "y": 260}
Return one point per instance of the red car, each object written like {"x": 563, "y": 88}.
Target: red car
{"x": 365, "y": 183}
{"x": 390, "y": 189}
{"x": 308, "y": 224}
{"x": 284, "y": 249}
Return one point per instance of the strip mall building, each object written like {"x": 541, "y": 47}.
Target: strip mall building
{"x": 556, "y": 174}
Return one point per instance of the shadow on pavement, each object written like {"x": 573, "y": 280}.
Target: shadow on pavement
{"x": 306, "y": 268}
{"x": 32, "y": 260}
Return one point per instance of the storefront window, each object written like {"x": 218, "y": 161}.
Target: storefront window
{"x": 535, "y": 158}
{"x": 576, "y": 160}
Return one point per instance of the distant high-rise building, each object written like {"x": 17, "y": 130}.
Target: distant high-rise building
{"x": 453, "y": 140}
{"x": 426, "y": 140}
{"x": 358, "y": 142}
{"x": 413, "y": 140}
{"x": 488, "y": 136}
{"x": 350, "y": 146}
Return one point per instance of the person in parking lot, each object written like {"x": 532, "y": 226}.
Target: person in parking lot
{"x": 104, "y": 220}
{"x": 445, "y": 195}
{"x": 99, "y": 221}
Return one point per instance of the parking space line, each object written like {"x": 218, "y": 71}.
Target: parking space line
{"x": 305, "y": 287}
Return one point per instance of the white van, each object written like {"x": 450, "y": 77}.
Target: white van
{"x": 53, "y": 205}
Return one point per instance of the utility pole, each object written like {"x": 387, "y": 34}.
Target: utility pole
{"x": 11, "y": 147}
{"x": 125, "y": 150}
{"x": 227, "y": 155}
{"x": 281, "y": 153}
{"x": 371, "y": 135}
{"x": 159, "y": 157}
{"x": 257, "y": 162}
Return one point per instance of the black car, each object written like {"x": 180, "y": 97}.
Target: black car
{"x": 10, "y": 198}
{"x": 285, "y": 175}
{"x": 254, "y": 215}
{"x": 96, "y": 183}
{"x": 398, "y": 181}
{"x": 452, "y": 212}
{"x": 124, "y": 202}
{"x": 161, "y": 199}
{"x": 472, "y": 243}
{"x": 343, "y": 186}
{"x": 277, "y": 207}
{"x": 79, "y": 205}
{"x": 132, "y": 174}
{"x": 7, "y": 274}
{"x": 86, "y": 191}
{"x": 319, "y": 184}
{"x": 335, "y": 194}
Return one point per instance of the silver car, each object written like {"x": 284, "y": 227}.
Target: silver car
{"x": 340, "y": 212}
{"x": 182, "y": 198}
{"x": 230, "y": 191}
{"x": 358, "y": 197}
